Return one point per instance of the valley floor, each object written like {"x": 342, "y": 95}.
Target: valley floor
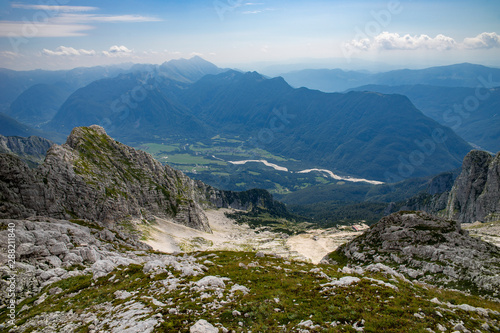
{"x": 312, "y": 246}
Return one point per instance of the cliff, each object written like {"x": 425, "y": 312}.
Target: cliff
{"x": 474, "y": 196}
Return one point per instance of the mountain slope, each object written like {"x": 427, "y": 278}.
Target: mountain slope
{"x": 131, "y": 107}
{"x": 13, "y": 83}
{"x": 188, "y": 70}
{"x": 475, "y": 119}
{"x": 11, "y": 127}
{"x": 429, "y": 249}
{"x": 37, "y": 104}
{"x": 32, "y": 150}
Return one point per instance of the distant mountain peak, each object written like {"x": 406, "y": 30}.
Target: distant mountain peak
{"x": 189, "y": 70}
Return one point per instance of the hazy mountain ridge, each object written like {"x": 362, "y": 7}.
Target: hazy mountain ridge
{"x": 334, "y": 131}
{"x": 107, "y": 102}
{"x": 335, "y": 80}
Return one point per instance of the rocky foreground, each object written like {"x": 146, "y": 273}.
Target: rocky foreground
{"x": 78, "y": 276}
{"x": 73, "y": 257}
{"x": 431, "y": 250}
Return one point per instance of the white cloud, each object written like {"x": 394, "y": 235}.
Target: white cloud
{"x": 88, "y": 18}
{"x": 395, "y": 41}
{"x": 9, "y": 54}
{"x": 117, "y": 51}
{"x": 55, "y": 8}
{"x": 31, "y": 30}
{"x": 485, "y": 40}
{"x": 62, "y": 21}
{"x": 68, "y": 51}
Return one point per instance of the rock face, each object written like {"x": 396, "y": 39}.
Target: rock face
{"x": 474, "y": 196}
{"x": 430, "y": 249}
{"x": 32, "y": 150}
{"x": 96, "y": 178}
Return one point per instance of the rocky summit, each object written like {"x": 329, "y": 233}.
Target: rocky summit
{"x": 429, "y": 249}
{"x": 96, "y": 178}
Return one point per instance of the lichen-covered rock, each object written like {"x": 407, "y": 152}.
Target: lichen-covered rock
{"x": 430, "y": 249}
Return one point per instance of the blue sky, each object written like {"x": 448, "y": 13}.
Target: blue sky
{"x": 53, "y": 34}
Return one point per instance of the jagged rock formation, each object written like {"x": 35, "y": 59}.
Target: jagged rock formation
{"x": 474, "y": 196}
{"x": 96, "y": 178}
{"x": 429, "y": 249}
{"x": 32, "y": 150}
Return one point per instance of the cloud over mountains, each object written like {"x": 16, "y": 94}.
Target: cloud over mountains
{"x": 394, "y": 41}
{"x": 114, "y": 51}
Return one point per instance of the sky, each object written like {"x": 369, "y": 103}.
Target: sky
{"x": 349, "y": 34}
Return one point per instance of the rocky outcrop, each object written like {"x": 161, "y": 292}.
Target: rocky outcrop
{"x": 48, "y": 250}
{"x": 475, "y": 196}
{"x": 430, "y": 249}
{"x": 32, "y": 150}
{"x": 96, "y": 178}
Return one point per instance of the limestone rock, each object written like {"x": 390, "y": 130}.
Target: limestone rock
{"x": 432, "y": 249}
{"x": 203, "y": 326}
{"x": 102, "y": 268}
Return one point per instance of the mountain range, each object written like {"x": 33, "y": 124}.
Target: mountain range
{"x": 373, "y": 134}
{"x": 382, "y": 136}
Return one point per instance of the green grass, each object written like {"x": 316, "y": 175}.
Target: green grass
{"x": 274, "y": 284}
{"x": 158, "y": 149}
